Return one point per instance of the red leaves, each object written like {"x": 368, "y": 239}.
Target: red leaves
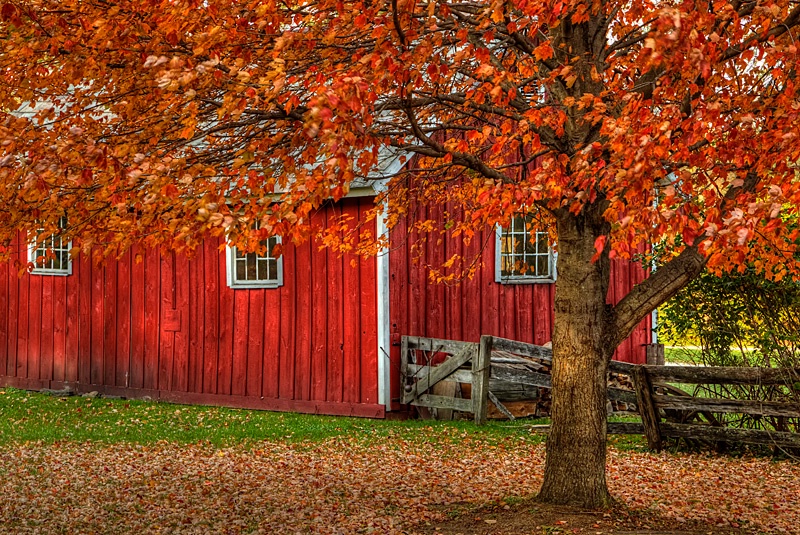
{"x": 10, "y": 12}
{"x": 599, "y": 245}
{"x": 349, "y": 484}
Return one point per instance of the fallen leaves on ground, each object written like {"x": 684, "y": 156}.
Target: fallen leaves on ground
{"x": 352, "y": 486}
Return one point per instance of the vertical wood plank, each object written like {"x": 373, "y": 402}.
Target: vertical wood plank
{"x": 455, "y": 298}
{"x": 124, "y": 290}
{"x": 138, "y": 327}
{"x": 34, "y": 325}
{"x": 351, "y": 321}
{"x": 304, "y": 325}
{"x": 319, "y": 318}
{"x": 480, "y": 379}
{"x": 46, "y": 326}
{"x": 272, "y": 341}
{"x": 211, "y": 280}
{"x": 542, "y": 313}
{"x": 472, "y": 294}
{"x": 647, "y": 407}
{"x": 405, "y": 386}
{"x": 288, "y": 291}
{"x": 59, "y": 327}
{"x": 22, "y": 327}
{"x": 418, "y": 282}
{"x": 241, "y": 326}
{"x": 14, "y": 311}
{"x": 180, "y": 363}
{"x": 227, "y": 320}
{"x": 197, "y": 294}
{"x": 492, "y": 291}
{"x": 369, "y": 320}
{"x": 255, "y": 343}
{"x": 152, "y": 317}
{"x": 110, "y": 326}
{"x": 398, "y": 297}
{"x": 334, "y": 373}
{"x": 71, "y": 326}
{"x": 85, "y": 319}
{"x": 526, "y": 303}
{"x": 98, "y": 339}
{"x": 5, "y": 309}
{"x": 166, "y": 346}
{"x": 436, "y": 320}
{"x": 617, "y": 290}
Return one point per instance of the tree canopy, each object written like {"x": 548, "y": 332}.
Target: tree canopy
{"x": 623, "y": 122}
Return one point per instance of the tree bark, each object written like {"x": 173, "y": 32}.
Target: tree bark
{"x": 576, "y": 446}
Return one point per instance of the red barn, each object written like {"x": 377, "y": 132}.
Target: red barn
{"x": 309, "y": 332}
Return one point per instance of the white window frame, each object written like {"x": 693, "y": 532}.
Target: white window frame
{"x": 230, "y": 268}
{"x": 521, "y": 279}
{"x": 45, "y": 245}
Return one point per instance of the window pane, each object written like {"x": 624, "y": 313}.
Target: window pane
{"x": 543, "y": 266}
{"x": 255, "y": 268}
{"x": 263, "y": 268}
{"x": 524, "y": 252}
{"x": 251, "y": 267}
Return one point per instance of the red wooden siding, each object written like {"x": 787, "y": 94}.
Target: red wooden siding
{"x": 168, "y": 327}
{"x": 481, "y": 305}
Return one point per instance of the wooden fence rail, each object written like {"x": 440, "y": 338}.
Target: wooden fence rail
{"x": 500, "y": 365}
{"x": 492, "y": 366}
{"x": 665, "y": 414}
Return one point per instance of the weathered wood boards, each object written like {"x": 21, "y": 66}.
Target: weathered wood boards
{"x": 502, "y": 365}
{"x": 656, "y": 396}
{"x": 419, "y": 379}
{"x": 723, "y": 375}
{"x": 497, "y": 370}
{"x": 647, "y": 408}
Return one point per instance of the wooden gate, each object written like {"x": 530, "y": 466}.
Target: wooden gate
{"x": 428, "y": 361}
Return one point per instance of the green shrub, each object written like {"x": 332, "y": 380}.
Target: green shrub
{"x": 741, "y": 319}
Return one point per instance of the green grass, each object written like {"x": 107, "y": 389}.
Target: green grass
{"x": 27, "y": 416}
{"x": 682, "y": 355}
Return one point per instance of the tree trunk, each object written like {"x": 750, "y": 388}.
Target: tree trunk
{"x": 582, "y": 347}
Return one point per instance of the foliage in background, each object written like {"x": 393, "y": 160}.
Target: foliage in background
{"x": 741, "y": 319}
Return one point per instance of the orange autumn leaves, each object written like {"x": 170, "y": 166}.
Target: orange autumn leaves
{"x": 348, "y": 486}
{"x": 167, "y": 121}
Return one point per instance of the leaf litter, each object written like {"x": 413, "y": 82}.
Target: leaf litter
{"x": 348, "y": 485}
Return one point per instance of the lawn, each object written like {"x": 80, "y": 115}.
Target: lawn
{"x": 28, "y": 417}
{"x": 682, "y": 355}
{"x": 79, "y": 465}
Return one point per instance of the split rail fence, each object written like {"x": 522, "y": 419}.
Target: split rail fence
{"x": 499, "y": 369}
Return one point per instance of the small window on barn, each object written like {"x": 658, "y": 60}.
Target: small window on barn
{"x": 253, "y": 270}
{"x": 50, "y": 254}
{"x": 524, "y": 254}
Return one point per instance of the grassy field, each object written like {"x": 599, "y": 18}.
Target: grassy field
{"x": 27, "y": 416}
{"x": 682, "y": 355}
{"x": 33, "y": 417}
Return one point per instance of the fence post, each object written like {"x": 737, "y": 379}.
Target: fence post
{"x": 480, "y": 379}
{"x": 654, "y": 354}
{"x": 647, "y": 407}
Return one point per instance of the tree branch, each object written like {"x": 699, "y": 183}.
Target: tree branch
{"x": 660, "y": 286}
